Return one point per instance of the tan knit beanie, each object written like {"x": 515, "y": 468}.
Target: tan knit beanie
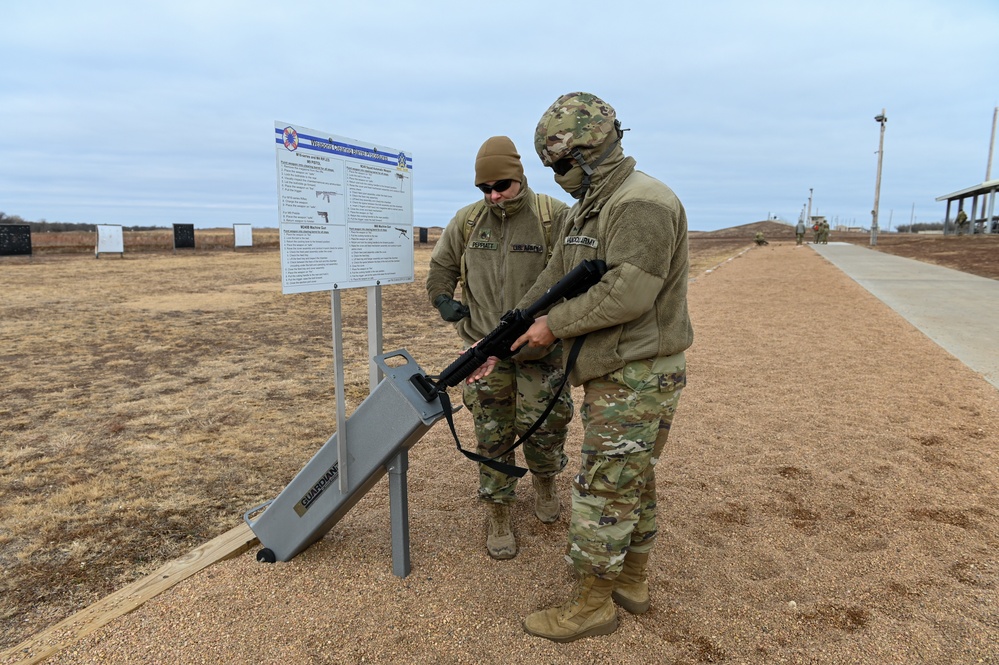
{"x": 498, "y": 160}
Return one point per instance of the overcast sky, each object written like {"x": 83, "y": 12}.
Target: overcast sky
{"x": 156, "y": 112}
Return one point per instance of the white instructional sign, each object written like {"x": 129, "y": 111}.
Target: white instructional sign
{"x": 242, "y": 235}
{"x": 345, "y": 211}
{"x": 109, "y": 239}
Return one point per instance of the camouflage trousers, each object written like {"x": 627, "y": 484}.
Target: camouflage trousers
{"x": 504, "y": 405}
{"x": 627, "y": 415}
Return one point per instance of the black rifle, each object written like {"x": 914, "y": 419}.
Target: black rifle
{"x": 498, "y": 343}
{"x": 512, "y": 325}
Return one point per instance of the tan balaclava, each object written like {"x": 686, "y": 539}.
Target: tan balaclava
{"x": 498, "y": 159}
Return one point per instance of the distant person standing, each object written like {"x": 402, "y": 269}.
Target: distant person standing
{"x": 962, "y": 222}
{"x": 799, "y": 232}
{"x": 815, "y": 233}
{"x": 824, "y": 232}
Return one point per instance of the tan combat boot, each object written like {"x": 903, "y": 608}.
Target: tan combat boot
{"x": 589, "y": 612}
{"x": 631, "y": 588}
{"x": 546, "y": 503}
{"x": 500, "y": 542}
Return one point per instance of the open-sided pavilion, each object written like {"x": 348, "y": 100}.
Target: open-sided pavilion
{"x": 982, "y": 215}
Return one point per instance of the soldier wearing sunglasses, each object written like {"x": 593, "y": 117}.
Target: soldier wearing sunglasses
{"x": 495, "y": 248}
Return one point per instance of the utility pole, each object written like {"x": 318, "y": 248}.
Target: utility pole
{"x": 881, "y": 119}
{"x": 992, "y": 144}
{"x": 988, "y": 173}
{"x": 809, "y": 220}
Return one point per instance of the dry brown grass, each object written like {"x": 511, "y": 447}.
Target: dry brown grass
{"x": 157, "y": 397}
{"x": 146, "y": 402}
{"x": 820, "y": 503}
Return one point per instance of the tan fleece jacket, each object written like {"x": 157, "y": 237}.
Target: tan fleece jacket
{"x": 505, "y": 253}
{"x": 638, "y": 310}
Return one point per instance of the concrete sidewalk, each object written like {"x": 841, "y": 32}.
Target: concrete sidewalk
{"x": 958, "y": 311}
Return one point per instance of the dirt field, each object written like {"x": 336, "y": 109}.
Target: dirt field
{"x": 846, "y": 513}
{"x": 147, "y": 401}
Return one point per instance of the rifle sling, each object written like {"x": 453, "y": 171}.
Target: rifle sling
{"x": 493, "y": 462}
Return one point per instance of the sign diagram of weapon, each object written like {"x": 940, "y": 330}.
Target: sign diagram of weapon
{"x": 326, "y": 195}
{"x": 402, "y": 180}
{"x": 324, "y": 215}
{"x": 403, "y": 233}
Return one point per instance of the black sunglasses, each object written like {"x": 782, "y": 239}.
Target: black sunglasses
{"x": 498, "y": 186}
{"x": 563, "y": 166}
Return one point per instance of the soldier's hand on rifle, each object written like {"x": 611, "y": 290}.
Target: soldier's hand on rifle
{"x": 450, "y": 309}
{"x": 539, "y": 334}
{"x": 485, "y": 369}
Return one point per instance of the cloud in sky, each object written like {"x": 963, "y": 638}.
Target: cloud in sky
{"x": 163, "y": 111}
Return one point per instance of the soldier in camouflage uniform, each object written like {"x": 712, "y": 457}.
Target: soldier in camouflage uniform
{"x": 961, "y": 222}
{"x": 631, "y": 365}
{"x": 496, "y": 248}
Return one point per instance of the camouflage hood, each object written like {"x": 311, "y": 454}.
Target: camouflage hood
{"x": 576, "y": 135}
{"x": 575, "y": 120}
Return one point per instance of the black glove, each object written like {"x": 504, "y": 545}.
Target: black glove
{"x": 450, "y": 309}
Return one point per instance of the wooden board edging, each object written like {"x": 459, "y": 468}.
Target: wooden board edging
{"x": 90, "y": 619}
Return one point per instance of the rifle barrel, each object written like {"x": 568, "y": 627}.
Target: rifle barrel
{"x": 576, "y": 281}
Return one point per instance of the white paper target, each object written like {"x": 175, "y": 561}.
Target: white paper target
{"x": 243, "y": 234}
{"x": 109, "y": 239}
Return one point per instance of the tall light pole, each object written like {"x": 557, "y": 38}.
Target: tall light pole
{"x": 808, "y": 220}
{"x": 992, "y": 144}
{"x": 881, "y": 119}
{"x": 988, "y": 173}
